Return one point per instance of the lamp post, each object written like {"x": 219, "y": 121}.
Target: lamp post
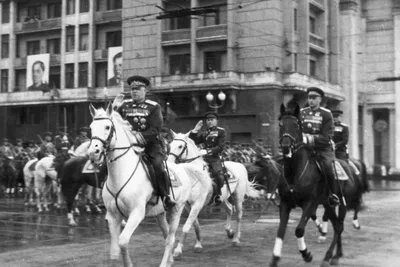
{"x": 210, "y": 98}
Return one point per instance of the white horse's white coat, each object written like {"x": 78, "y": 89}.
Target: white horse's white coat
{"x": 29, "y": 178}
{"x": 184, "y": 148}
{"x": 133, "y": 199}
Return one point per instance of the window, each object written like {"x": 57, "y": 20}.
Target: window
{"x": 101, "y": 74}
{"x": 313, "y": 26}
{"x": 83, "y": 74}
{"x": 98, "y": 5}
{"x": 28, "y": 115}
{"x": 114, "y": 4}
{"x": 4, "y": 81}
{"x": 54, "y": 10}
{"x": 313, "y": 67}
{"x": 53, "y": 46}
{"x": 5, "y": 14}
{"x": 83, "y": 37}
{"x": 5, "y": 46}
{"x": 55, "y": 77}
{"x": 295, "y": 19}
{"x": 114, "y": 38}
{"x": 70, "y": 110}
{"x": 70, "y": 39}
{"x": 69, "y": 75}
{"x": 179, "y": 64}
{"x": 216, "y": 18}
{"x": 214, "y": 61}
{"x": 180, "y": 23}
{"x": 33, "y": 47}
{"x": 34, "y": 12}
{"x": 84, "y": 6}
{"x": 20, "y": 80}
{"x": 70, "y": 7}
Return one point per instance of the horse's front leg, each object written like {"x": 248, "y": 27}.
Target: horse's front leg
{"x": 308, "y": 211}
{"x": 323, "y": 229}
{"x": 228, "y": 227}
{"x": 334, "y": 220}
{"x": 339, "y": 248}
{"x": 198, "y": 247}
{"x": 284, "y": 212}
{"x": 114, "y": 226}
{"x": 135, "y": 217}
{"x": 163, "y": 224}
{"x": 239, "y": 215}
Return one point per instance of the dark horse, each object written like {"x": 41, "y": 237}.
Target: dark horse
{"x": 302, "y": 184}
{"x": 8, "y": 173}
{"x": 72, "y": 179}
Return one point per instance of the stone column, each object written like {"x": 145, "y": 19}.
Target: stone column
{"x": 91, "y": 44}
{"x": 396, "y": 32}
{"x": 76, "y": 66}
{"x": 13, "y": 46}
{"x": 334, "y": 41}
{"x": 193, "y": 45}
{"x": 368, "y": 138}
{"x": 304, "y": 31}
{"x": 349, "y": 34}
{"x": 231, "y": 50}
{"x": 63, "y": 43}
{"x": 392, "y": 138}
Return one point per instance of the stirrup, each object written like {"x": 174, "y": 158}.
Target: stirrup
{"x": 217, "y": 199}
{"x": 333, "y": 200}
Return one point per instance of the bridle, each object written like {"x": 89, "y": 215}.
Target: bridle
{"x": 106, "y": 143}
{"x": 294, "y": 145}
{"x": 178, "y": 158}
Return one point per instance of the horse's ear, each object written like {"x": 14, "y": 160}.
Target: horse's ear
{"x": 187, "y": 134}
{"x": 173, "y": 133}
{"x": 109, "y": 109}
{"x": 282, "y": 108}
{"x": 92, "y": 110}
{"x": 297, "y": 110}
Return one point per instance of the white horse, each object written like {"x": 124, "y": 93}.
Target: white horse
{"x": 29, "y": 179}
{"x": 45, "y": 187}
{"x": 128, "y": 192}
{"x": 183, "y": 149}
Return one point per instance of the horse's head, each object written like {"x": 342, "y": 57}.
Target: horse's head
{"x": 269, "y": 176}
{"x": 182, "y": 148}
{"x": 103, "y": 130}
{"x": 290, "y": 132}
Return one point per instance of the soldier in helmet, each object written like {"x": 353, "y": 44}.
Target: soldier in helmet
{"x": 47, "y": 147}
{"x": 82, "y": 137}
{"x": 146, "y": 119}
{"x": 214, "y": 140}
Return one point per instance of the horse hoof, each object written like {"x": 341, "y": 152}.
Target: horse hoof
{"x": 334, "y": 261}
{"x": 308, "y": 257}
{"x": 72, "y": 224}
{"x": 177, "y": 255}
{"x": 236, "y": 243}
{"x": 324, "y": 264}
{"x": 274, "y": 262}
{"x": 230, "y": 233}
{"x": 321, "y": 239}
{"x": 198, "y": 249}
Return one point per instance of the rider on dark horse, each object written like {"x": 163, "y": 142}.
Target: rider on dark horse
{"x": 214, "y": 140}
{"x": 340, "y": 136}
{"x": 318, "y": 127}
{"x": 146, "y": 119}
{"x": 62, "y": 145}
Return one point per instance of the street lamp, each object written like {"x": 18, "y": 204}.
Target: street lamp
{"x": 210, "y": 98}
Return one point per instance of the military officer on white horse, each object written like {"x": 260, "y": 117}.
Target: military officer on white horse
{"x": 146, "y": 120}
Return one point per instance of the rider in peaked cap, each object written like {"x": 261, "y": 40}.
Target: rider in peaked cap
{"x": 336, "y": 113}
{"x": 315, "y": 91}
{"x": 138, "y": 80}
{"x": 211, "y": 114}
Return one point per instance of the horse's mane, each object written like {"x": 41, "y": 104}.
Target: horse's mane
{"x": 115, "y": 117}
{"x": 186, "y": 138}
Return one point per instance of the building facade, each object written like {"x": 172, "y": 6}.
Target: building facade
{"x": 72, "y": 39}
{"x": 258, "y": 53}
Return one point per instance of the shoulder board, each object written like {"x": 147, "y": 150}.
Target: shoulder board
{"x": 151, "y": 102}
{"x": 127, "y": 101}
{"x": 344, "y": 124}
{"x": 303, "y": 109}
{"x": 220, "y": 128}
{"x": 325, "y": 109}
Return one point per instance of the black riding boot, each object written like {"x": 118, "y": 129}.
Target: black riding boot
{"x": 219, "y": 180}
{"x": 163, "y": 187}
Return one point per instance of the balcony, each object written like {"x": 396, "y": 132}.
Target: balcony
{"x": 108, "y": 16}
{"x": 318, "y": 5}
{"x": 40, "y": 25}
{"x": 20, "y": 62}
{"x": 100, "y": 54}
{"x": 174, "y": 37}
{"x": 317, "y": 42}
{"x": 66, "y": 96}
{"x": 212, "y": 33}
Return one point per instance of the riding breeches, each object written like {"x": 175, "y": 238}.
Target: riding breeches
{"x": 217, "y": 173}
{"x": 156, "y": 155}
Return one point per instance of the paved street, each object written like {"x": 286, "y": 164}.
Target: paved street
{"x": 29, "y": 239}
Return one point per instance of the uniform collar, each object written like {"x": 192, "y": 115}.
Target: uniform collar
{"x": 212, "y": 128}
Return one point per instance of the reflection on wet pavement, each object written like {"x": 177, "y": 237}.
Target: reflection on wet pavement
{"x": 22, "y": 228}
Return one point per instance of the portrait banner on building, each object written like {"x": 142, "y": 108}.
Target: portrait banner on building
{"x": 37, "y": 72}
{"x": 114, "y": 70}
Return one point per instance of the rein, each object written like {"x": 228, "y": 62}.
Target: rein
{"x": 178, "y": 158}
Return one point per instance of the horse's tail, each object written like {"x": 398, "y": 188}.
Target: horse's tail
{"x": 251, "y": 191}
{"x": 364, "y": 178}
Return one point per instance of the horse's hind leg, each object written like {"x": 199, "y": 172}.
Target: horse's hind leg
{"x": 335, "y": 223}
{"x": 163, "y": 224}
{"x": 340, "y": 228}
{"x": 194, "y": 212}
{"x": 323, "y": 228}
{"x": 229, "y": 211}
{"x": 356, "y": 223}
{"x": 70, "y": 190}
{"x": 239, "y": 214}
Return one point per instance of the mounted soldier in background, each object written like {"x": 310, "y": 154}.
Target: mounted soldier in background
{"x": 82, "y": 137}
{"x": 340, "y": 136}
{"x": 62, "y": 145}
{"x": 47, "y": 147}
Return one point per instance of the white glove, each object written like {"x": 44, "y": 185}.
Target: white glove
{"x": 198, "y": 126}
{"x": 203, "y": 152}
{"x": 305, "y": 138}
{"x": 118, "y": 100}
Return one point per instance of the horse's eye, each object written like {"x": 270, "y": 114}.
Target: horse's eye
{"x": 107, "y": 127}
{"x": 180, "y": 146}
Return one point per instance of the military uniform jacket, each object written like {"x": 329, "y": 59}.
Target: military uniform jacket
{"x": 341, "y": 137}
{"x": 145, "y": 118}
{"x": 48, "y": 148}
{"x": 319, "y": 124}
{"x": 214, "y": 140}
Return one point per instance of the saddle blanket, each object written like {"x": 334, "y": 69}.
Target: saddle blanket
{"x": 341, "y": 174}
{"x": 90, "y": 168}
{"x": 32, "y": 166}
{"x": 356, "y": 171}
{"x": 175, "y": 182}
